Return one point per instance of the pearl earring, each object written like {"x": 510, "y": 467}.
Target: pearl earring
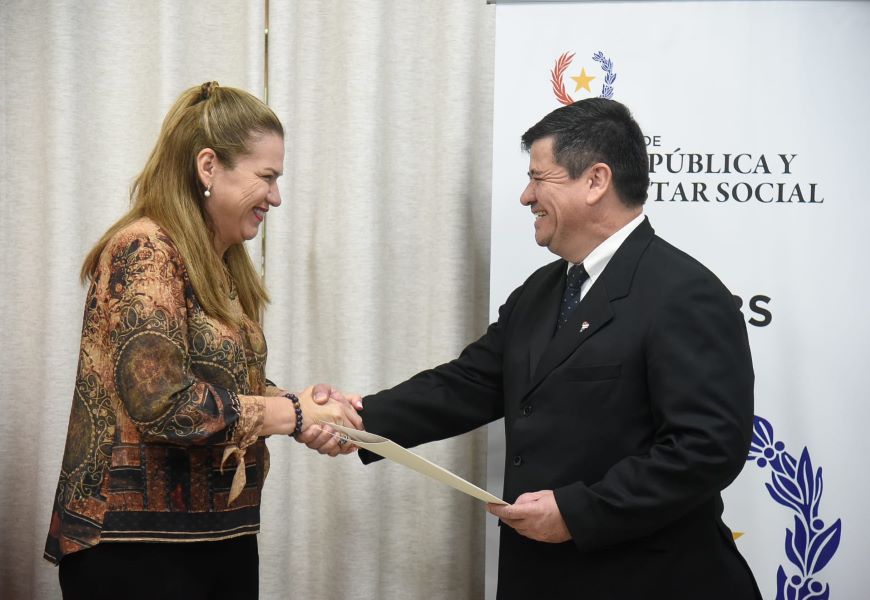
{"x": 207, "y": 192}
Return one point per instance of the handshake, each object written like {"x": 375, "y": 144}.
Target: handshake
{"x": 319, "y": 405}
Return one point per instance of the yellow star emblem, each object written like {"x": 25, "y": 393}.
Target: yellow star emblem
{"x": 736, "y": 535}
{"x": 583, "y": 80}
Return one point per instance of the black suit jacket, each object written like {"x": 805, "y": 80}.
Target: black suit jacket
{"x": 637, "y": 413}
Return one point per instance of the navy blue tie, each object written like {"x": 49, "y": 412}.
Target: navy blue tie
{"x": 571, "y": 298}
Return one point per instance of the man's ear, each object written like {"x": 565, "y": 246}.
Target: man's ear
{"x": 599, "y": 179}
{"x": 206, "y": 161}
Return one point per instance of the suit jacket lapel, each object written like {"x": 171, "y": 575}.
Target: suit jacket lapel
{"x": 545, "y": 312}
{"x": 593, "y": 313}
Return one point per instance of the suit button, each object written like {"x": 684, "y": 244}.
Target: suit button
{"x": 527, "y": 410}
{"x": 518, "y": 460}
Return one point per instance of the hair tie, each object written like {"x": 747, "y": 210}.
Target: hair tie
{"x": 206, "y": 89}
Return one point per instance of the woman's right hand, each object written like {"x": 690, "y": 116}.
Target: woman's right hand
{"x": 319, "y": 408}
{"x": 316, "y": 416}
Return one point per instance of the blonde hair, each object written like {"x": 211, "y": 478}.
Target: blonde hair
{"x": 169, "y": 192}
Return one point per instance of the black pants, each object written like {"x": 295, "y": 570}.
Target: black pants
{"x": 227, "y": 569}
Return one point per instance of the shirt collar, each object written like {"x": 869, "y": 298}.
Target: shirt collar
{"x": 597, "y": 260}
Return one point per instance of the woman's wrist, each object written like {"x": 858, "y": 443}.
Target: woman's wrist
{"x": 297, "y": 409}
{"x": 252, "y": 420}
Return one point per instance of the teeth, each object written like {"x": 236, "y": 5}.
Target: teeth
{"x": 540, "y": 214}
{"x": 258, "y": 212}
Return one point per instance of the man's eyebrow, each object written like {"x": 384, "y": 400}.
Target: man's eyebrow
{"x": 274, "y": 172}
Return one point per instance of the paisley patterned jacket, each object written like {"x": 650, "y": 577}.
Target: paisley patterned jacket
{"x": 164, "y": 396}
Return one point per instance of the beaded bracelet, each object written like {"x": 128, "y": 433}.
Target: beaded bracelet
{"x": 298, "y": 429}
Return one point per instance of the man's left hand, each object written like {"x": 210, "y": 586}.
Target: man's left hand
{"x": 534, "y": 515}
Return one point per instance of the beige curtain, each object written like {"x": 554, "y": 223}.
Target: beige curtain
{"x": 378, "y": 265}
{"x": 377, "y": 261}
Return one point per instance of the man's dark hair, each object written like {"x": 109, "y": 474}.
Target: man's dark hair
{"x": 597, "y": 130}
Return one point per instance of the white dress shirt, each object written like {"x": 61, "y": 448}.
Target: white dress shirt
{"x": 595, "y": 262}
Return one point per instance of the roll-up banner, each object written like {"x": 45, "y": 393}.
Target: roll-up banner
{"x": 756, "y": 122}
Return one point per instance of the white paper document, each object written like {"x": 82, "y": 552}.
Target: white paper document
{"x": 390, "y": 449}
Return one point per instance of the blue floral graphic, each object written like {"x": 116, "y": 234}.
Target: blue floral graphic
{"x": 609, "y": 75}
{"x": 793, "y": 484}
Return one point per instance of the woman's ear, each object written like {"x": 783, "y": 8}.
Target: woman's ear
{"x": 206, "y": 161}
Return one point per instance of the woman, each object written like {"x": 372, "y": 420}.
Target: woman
{"x": 159, "y": 491}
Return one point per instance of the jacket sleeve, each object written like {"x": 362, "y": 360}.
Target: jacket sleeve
{"x": 448, "y": 400}
{"x": 700, "y": 388}
{"x": 146, "y": 307}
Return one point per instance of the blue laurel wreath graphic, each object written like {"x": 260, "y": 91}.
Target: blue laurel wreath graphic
{"x": 609, "y": 77}
{"x": 793, "y": 484}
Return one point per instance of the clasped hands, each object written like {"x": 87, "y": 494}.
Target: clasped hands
{"x": 330, "y": 406}
{"x": 320, "y": 405}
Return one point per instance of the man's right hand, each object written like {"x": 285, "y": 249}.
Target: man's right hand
{"x": 330, "y": 405}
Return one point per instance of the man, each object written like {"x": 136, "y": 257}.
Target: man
{"x": 623, "y": 374}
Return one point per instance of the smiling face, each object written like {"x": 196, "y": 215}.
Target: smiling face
{"x": 241, "y": 196}
{"x": 558, "y": 202}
